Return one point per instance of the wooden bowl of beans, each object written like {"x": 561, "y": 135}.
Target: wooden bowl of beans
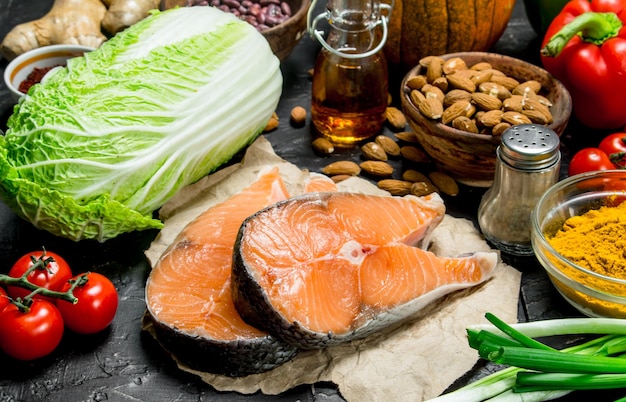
{"x": 282, "y": 22}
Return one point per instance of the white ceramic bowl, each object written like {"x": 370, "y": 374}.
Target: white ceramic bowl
{"x": 47, "y": 56}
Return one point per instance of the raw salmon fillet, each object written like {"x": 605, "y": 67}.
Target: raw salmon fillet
{"x": 322, "y": 269}
{"x": 188, "y": 293}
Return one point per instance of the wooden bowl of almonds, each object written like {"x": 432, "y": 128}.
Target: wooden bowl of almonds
{"x": 459, "y": 105}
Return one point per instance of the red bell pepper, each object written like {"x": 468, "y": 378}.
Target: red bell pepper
{"x": 585, "y": 48}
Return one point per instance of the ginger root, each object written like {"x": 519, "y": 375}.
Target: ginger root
{"x": 124, "y": 13}
{"x": 74, "y": 22}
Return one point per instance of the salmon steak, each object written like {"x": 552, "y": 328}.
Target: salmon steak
{"x": 321, "y": 269}
{"x": 188, "y": 292}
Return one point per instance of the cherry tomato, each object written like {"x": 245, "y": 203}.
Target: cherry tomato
{"x": 96, "y": 306}
{"x": 32, "y": 334}
{"x": 589, "y": 160}
{"x": 4, "y": 299}
{"x": 53, "y": 278}
{"x": 614, "y": 145}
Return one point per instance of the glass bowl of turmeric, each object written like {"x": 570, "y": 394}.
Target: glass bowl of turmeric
{"x": 578, "y": 235}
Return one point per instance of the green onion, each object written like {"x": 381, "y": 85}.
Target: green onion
{"x": 538, "y": 372}
{"x": 527, "y": 381}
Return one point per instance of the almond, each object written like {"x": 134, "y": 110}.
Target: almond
{"x": 515, "y": 118}
{"x": 395, "y": 118}
{"x": 496, "y": 89}
{"x": 509, "y": 83}
{"x": 272, "y": 123}
{"x": 441, "y": 83}
{"x": 500, "y": 128}
{"x": 483, "y": 65}
{"x": 485, "y": 101}
{"x": 407, "y": 136}
{"x": 341, "y": 168}
{"x": 460, "y": 108}
{"x": 425, "y": 61}
{"x": 482, "y": 76}
{"x": 416, "y": 82}
{"x": 372, "y": 151}
{"x": 515, "y": 103}
{"x": 395, "y": 187}
{"x": 422, "y": 188}
{"x": 431, "y": 91}
{"x": 445, "y": 183}
{"x": 536, "y": 116}
{"x": 298, "y": 116}
{"x": 340, "y": 177}
{"x": 434, "y": 70}
{"x": 534, "y": 104}
{"x": 454, "y": 64}
{"x": 530, "y": 85}
{"x": 432, "y": 108}
{"x": 465, "y": 124}
{"x": 416, "y": 97}
{"x": 491, "y": 118}
{"x": 414, "y": 154}
{"x": 323, "y": 146}
{"x": 377, "y": 168}
{"x": 413, "y": 176}
{"x": 455, "y": 95}
{"x": 460, "y": 82}
{"x": 390, "y": 147}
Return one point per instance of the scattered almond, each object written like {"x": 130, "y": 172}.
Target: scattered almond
{"x": 272, "y": 123}
{"x": 444, "y": 182}
{"x": 390, "y": 147}
{"x": 340, "y": 177}
{"x": 298, "y": 116}
{"x": 413, "y": 176}
{"x": 414, "y": 154}
{"x": 342, "y": 168}
{"x": 395, "y": 187}
{"x": 395, "y": 118}
{"x": 377, "y": 168}
{"x": 406, "y": 136}
{"x": 422, "y": 188}
{"x": 373, "y": 151}
{"x": 323, "y": 146}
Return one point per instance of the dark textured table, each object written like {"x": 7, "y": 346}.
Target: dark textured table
{"x": 122, "y": 363}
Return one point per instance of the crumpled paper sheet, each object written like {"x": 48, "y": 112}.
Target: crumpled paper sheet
{"x": 414, "y": 362}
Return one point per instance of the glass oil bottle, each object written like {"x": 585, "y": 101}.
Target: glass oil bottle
{"x": 350, "y": 79}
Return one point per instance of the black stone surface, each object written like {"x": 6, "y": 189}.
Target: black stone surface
{"x": 123, "y": 364}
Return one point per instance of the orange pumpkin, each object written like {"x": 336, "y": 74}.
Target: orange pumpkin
{"x": 419, "y": 28}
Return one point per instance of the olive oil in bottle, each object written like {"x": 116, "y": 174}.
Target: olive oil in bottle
{"x": 350, "y": 80}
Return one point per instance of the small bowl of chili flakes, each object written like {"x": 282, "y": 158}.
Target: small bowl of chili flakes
{"x": 579, "y": 237}
{"x": 29, "y": 68}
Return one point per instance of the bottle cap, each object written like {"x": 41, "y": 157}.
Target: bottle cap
{"x": 530, "y": 147}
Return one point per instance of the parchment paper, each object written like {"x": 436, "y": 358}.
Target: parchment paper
{"x": 414, "y": 362}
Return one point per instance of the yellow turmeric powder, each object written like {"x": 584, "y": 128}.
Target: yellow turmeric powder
{"x": 595, "y": 240}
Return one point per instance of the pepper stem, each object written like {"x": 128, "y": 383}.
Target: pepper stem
{"x": 592, "y": 27}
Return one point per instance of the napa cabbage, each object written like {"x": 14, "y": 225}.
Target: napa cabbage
{"x": 99, "y": 145}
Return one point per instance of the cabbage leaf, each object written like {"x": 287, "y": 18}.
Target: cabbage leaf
{"x": 99, "y": 145}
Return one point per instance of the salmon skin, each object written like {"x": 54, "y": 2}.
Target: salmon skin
{"x": 321, "y": 269}
{"x": 188, "y": 293}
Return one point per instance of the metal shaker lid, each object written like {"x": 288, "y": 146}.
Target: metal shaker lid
{"x": 530, "y": 146}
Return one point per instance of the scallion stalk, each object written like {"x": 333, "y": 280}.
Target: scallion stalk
{"x": 510, "y": 345}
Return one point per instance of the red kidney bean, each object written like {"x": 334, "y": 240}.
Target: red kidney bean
{"x": 262, "y": 14}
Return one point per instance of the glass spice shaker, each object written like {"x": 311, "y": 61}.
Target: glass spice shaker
{"x": 350, "y": 78}
{"x": 527, "y": 164}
